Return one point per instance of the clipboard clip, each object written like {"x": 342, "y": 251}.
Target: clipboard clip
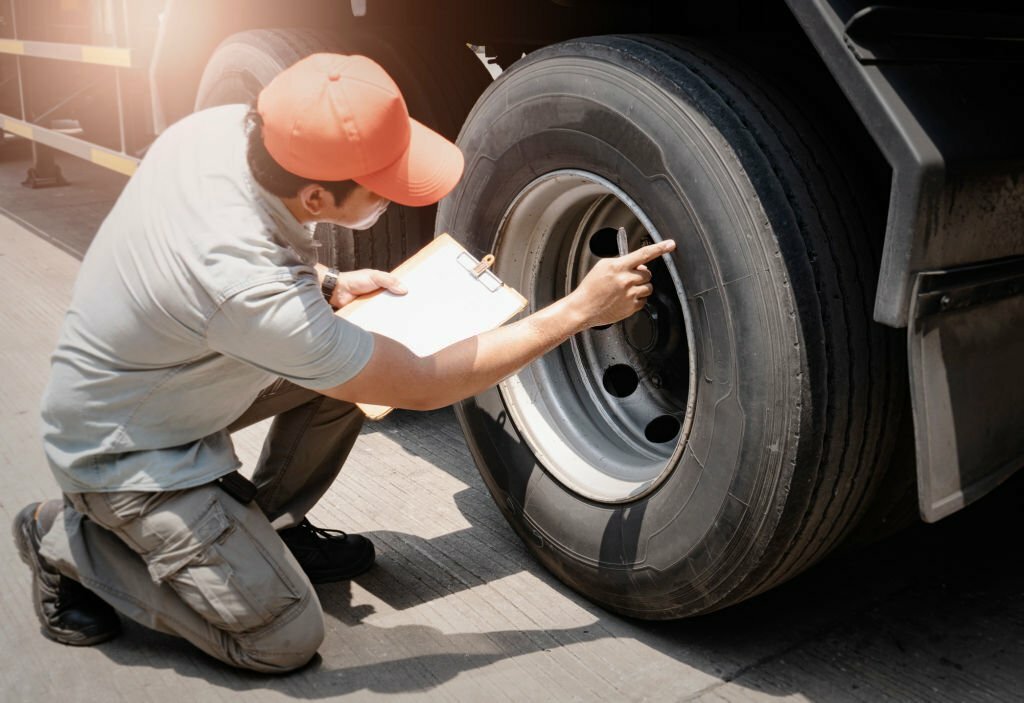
{"x": 483, "y": 266}
{"x": 480, "y": 270}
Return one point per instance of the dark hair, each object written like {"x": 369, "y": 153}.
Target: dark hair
{"x": 269, "y": 174}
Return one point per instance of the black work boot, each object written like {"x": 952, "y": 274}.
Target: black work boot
{"x": 68, "y": 611}
{"x": 328, "y": 555}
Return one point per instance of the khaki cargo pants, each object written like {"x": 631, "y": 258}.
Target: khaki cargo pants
{"x": 201, "y": 565}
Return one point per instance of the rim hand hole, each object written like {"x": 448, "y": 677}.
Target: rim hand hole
{"x": 620, "y": 380}
{"x": 603, "y": 242}
{"x": 661, "y": 429}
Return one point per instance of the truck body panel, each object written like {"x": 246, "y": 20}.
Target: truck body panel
{"x": 940, "y": 88}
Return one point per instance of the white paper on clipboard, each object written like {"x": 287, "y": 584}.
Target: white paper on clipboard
{"x": 451, "y": 297}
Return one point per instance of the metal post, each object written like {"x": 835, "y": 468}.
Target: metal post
{"x": 126, "y": 25}
{"x": 17, "y": 65}
{"x": 120, "y": 110}
{"x": 44, "y": 171}
{"x": 123, "y": 39}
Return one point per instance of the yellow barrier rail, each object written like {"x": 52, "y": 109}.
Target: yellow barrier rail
{"x": 101, "y": 156}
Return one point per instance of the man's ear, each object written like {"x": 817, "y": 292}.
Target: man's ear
{"x": 313, "y": 198}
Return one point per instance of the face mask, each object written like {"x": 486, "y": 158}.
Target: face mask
{"x": 368, "y": 221}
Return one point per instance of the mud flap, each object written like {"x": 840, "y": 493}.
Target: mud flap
{"x": 966, "y": 348}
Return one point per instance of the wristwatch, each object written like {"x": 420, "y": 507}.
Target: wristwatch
{"x": 329, "y": 283}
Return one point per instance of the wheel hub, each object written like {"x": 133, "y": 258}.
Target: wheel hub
{"x": 641, "y": 329}
{"x": 608, "y": 412}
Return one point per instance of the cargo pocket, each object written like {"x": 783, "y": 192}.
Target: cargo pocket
{"x": 226, "y": 575}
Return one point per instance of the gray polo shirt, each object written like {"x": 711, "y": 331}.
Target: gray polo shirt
{"x": 197, "y": 292}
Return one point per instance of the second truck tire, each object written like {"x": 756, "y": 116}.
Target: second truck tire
{"x": 732, "y": 433}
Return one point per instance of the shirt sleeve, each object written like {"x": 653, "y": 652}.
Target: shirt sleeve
{"x": 285, "y": 327}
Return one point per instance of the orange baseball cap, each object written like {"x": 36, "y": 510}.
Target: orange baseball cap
{"x": 333, "y": 117}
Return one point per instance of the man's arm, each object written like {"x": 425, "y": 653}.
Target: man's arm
{"x": 394, "y": 376}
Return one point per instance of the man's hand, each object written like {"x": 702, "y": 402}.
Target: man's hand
{"x": 616, "y": 287}
{"x": 352, "y": 284}
{"x": 612, "y": 291}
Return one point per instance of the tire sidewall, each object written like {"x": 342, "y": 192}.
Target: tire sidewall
{"x": 667, "y": 140}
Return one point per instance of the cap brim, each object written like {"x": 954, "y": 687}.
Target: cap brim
{"x": 428, "y": 170}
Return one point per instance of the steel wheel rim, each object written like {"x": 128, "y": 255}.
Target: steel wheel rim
{"x": 608, "y": 413}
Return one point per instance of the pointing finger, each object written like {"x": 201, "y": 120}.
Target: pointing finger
{"x": 648, "y": 253}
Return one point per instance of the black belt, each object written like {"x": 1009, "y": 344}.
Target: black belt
{"x": 238, "y": 487}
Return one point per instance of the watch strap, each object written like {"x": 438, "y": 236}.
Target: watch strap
{"x": 329, "y": 283}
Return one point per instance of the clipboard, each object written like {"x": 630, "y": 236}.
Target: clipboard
{"x": 451, "y": 296}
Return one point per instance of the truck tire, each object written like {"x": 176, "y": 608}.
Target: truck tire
{"x": 440, "y": 83}
{"x": 730, "y": 434}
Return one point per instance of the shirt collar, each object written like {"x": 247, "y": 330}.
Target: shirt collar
{"x": 290, "y": 231}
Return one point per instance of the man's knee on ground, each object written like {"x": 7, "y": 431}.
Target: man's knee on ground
{"x": 286, "y": 647}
